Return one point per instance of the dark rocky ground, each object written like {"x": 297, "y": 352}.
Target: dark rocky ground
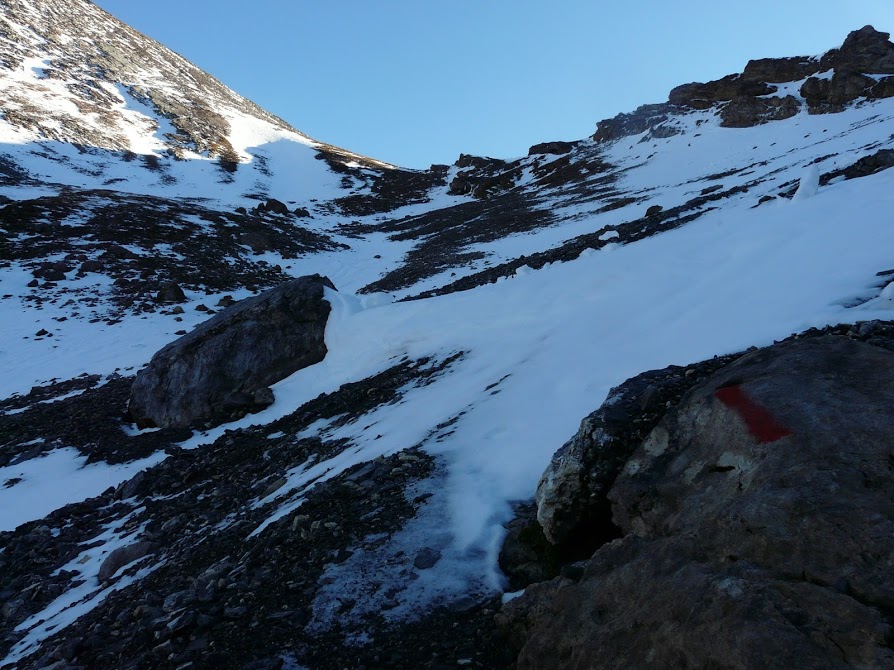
{"x": 221, "y": 599}
{"x": 144, "y": 243}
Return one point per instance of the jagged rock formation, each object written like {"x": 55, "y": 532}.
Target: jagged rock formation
{"x": 759, "y": 513}
{"x": 748, "y": 99}
{"x": 222, "y": 368}
{"x": 576, "y": 174}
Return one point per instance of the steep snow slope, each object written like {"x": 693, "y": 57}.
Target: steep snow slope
{"x": 589, "y": 287}
{"x": 78, "y": 75}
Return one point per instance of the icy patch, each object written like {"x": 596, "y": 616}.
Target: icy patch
{"x": 420, "y": 567}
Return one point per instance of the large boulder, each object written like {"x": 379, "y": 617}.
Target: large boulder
{"x": 123, "y": 556}
{"x": 758, "y": 521}
{"x": 572, "y": 496}
{"x": 222, "y": 368}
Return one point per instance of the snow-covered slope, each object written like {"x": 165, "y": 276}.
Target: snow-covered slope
{"x": 540, "y": 283}
{"x": 76, "y": 74}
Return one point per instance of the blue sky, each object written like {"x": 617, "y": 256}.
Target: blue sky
{"x": 416, "y": 82}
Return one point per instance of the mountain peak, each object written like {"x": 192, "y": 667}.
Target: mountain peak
{"x": 866, "y": 50}
{"x": 74, "y": 73}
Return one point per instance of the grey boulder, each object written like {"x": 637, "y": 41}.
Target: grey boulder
{"x": 123, "y": 556}
{"x": 758, "y": 521}
{"x": 221, "y": 370}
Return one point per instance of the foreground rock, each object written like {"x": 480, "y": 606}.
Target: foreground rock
{"x": 759, "y": 527}
{"x": 223, "y": 367}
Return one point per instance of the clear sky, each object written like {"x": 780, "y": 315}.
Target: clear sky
{"x": 416, "y": 82}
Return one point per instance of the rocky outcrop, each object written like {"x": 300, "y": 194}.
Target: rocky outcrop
{"x": 557, "y": 147}
{"x": 831, "y": 95}
{"x": 882, "y": 159}
{"x": 741, "y": 97}
{"x": 703, "y": 96}
{"x": 758, "y": 521}
{"x": 865, "y": 50}
{"x": 481, "y": 177}
{"x": 746, "y": 112}
{"x": 222, "y": 368}
{"x": 639, "y": 121}
{"x": 780, "y": 70}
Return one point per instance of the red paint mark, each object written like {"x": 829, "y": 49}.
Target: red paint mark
{"x": 760, "y": 422}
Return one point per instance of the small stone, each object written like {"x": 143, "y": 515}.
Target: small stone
{"x": 123, "y": 556}
{"x": 274, "y": 487}
{"x": 235, "y": 612}
{"x": 426, "y": 558}
{"x": 170, "y": 292}
{"x": 342, "y": 555}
